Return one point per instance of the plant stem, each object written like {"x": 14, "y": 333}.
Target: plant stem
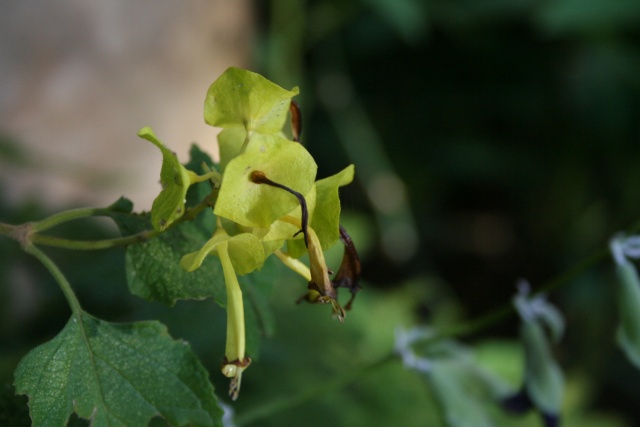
{"x": 271, "y": 408}
{"x": 66, "y": 216}
{"x": 58, "y": 276}
{"x": 58, "y": 242}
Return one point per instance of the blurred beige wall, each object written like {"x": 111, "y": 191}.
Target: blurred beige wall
{"x": 79, "y": 78}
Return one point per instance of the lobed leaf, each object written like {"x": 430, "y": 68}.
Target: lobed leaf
{"x": 153, "y": 268}
{"x": 116, "y": 375}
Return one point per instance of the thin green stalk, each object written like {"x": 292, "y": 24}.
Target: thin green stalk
{"x": 58, "y": 276}
{"x": 66, "y": 216}
{"x": 59, "y": 242}
{"x": 272, "y": 408}
{"x": 33, "y": 237}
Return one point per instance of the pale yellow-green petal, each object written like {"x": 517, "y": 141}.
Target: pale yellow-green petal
{"x": 259, "y": 205}
{"x": 241, "y": 98}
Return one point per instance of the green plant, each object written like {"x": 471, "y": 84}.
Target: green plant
{"x": 210, "y": 229}
{"x": 261, "y": 196}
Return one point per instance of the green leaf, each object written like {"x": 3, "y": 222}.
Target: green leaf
{"x": 153, "y": 268}
{"x": 258, "y": 205}
{"x": 240, "y": 98}
{"x": 116, "y": 375}
{"x": 122, "y": 205}
{"x": 175, "y": 179}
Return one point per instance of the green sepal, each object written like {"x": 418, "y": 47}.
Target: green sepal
{"x": 175, "y": 179}
{"x": 257, "y": 205}
{"x": 241, "y": 98}
{"x": 628, "y": 296}
{"x": 116, "y": 375}
{"x": 325, "y": 218}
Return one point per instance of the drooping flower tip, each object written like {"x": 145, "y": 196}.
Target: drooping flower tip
{"x": 234, "y": 371}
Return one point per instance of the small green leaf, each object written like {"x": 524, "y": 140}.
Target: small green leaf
{"x": 122, "y": 205}
{"x": 255, "y": 205}
{"x": 628, "y": 296}
{"x": 240, "y": 98}
{"x": 175, "y": 179}
{"x": 116, "y": 375}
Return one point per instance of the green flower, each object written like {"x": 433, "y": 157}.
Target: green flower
{"x": 268, "y": 196}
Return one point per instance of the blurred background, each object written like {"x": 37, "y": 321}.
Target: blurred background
{"x": 492, "y": 140}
